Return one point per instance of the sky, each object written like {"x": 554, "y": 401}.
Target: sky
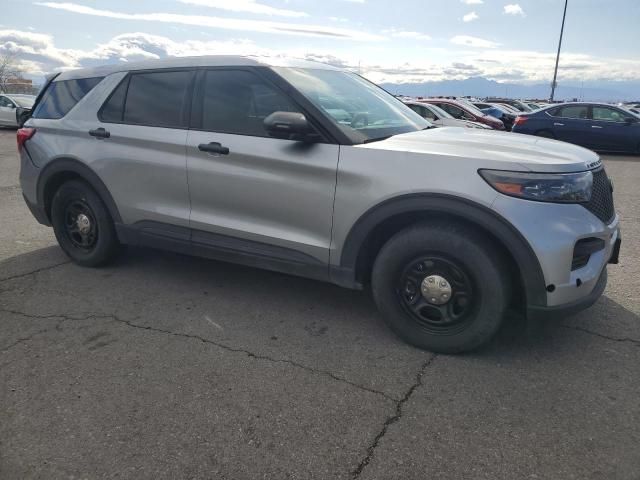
{"x": 387, "y": 41}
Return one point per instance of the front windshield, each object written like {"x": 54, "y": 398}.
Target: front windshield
{"x": 471, "y": 107}
{"x": 360, "y": 108}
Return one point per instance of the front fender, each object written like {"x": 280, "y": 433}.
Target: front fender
{"x": 452, "y": 207}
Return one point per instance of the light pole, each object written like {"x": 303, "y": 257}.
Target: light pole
{"x": 555, "y": 72}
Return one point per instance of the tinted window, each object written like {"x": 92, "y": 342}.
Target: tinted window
{"x": 572, "y": 111}
{"x": 113, "y": 109}
{"x": 428, "y": 114}
{"x": 608, "y": 114}
{"x": 237, "y": 102}
{"x": 157, "y": 99}
{"x": 62, "y": 96}
{"x": 452, "y": 110}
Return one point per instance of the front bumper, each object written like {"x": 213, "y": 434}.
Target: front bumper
{"x": 537, "y": 313}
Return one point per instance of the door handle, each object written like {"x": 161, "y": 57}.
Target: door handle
{"x": 100, "y": 133}
{"x": 595, "y": 126}
{"x": 556, "y": 124}
{"x": 213, "y": 147}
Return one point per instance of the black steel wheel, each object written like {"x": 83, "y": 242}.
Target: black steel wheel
{"x": 441, "y": 286}
{"x": 438, "y": 293}
{"x": 82, "y": 224}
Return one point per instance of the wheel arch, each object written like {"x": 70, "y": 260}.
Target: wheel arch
{"x": 381, "y": 222}
{"x": 60, "y": 170}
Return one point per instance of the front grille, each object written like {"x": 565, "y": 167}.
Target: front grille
{"x": 601, "y": 202}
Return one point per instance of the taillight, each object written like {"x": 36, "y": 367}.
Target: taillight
{"x": 520, "y": 120}
{"x": 23, "y": 135}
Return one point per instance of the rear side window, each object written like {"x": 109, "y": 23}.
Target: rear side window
{"x": 156, "y": 99}
{"x": 573, "y": 111}
{"x": 62, "y": 96}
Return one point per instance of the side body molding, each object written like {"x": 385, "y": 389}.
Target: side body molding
{"x": 445, "y": 206}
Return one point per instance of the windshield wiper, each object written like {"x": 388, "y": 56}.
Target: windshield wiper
{"x": 429, "y": 127}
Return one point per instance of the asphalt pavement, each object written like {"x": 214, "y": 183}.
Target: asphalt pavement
{"x": 166, "y": 366}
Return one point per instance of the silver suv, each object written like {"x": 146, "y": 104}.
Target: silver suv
{"x": 310, "y": 170}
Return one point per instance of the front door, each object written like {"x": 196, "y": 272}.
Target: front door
{"x": 610, "y": 130}
{"x": 7, "y": 111}
{"x": 250, "y": 192}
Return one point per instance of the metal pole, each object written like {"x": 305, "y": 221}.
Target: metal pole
{"x": 555, "y": 72}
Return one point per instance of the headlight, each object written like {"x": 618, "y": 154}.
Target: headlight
{"x": 543, "y": 187}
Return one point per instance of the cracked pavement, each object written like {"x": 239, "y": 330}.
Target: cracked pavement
{"x": 165, "y": 366}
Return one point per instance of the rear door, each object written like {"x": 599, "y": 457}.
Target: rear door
{"x": 267, "y": 196}
{"x": 611, "y": 132}
{"x": 143, "y": 159}
{"x": 571, "y": 123}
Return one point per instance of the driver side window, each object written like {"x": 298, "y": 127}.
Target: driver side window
{"x": 608, "y": 114}
{"x": 238, "y": 101}
{"x": 5, "y": 102}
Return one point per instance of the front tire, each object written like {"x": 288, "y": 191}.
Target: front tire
{"x": 82, "y": 225}
{"x": 441, "y": 287}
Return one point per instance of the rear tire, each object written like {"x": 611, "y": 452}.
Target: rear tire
{"x": 441, "y": 287}
{"x": 82, "y": 225}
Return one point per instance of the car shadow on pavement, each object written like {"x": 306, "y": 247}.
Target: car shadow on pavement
{"x": 177, "y": 279}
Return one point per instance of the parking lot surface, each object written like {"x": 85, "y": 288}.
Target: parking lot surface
{"x": 165, "y": 366}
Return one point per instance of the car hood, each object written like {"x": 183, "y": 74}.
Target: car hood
{"x": 492, "y": 148}
{"x": 454, "y": 122}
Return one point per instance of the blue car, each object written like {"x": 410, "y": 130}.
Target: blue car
{"x": 600, "y": 127}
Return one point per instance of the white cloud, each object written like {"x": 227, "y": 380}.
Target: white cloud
{"x": 250, "y": 6}
{"x": 475, "y": 42}
{"x": 409, "y": 34}
{"x": 470, "y": 17}
{"x": 472, "y": 2}
{"x": 221, "y": 22}
{"x": 514, "y": 9}
{"x": 38, "y": 54}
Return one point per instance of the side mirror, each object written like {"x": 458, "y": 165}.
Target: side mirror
{"x": 631, "y": 120}
{"x": 289, "y": 126}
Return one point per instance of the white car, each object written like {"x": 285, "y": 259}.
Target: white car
{"x": 440, "y": 118}
{"x": 12, "y": 107}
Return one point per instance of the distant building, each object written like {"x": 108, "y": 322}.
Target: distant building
{"x": 20, "y": 85}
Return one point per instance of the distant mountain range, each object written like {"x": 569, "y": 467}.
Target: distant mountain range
{"x": 606, "y": 91}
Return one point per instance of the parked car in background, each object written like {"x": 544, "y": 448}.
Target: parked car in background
{"x": 517, "y": 104}
{"x": 463, "y": 110}
{"x": 306, "y": 169}
{"x": 600, "y": 127}
{"x": 507, "y": 117}
{"x": 534, "y": 106}
{"x": 14, "y": 108}
{"x": 440, "y": 118}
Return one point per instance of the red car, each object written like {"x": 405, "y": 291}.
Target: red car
{"x": 464, "y": 110}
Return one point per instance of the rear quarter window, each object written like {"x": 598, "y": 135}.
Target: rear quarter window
{"x": 62, "y": 96}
